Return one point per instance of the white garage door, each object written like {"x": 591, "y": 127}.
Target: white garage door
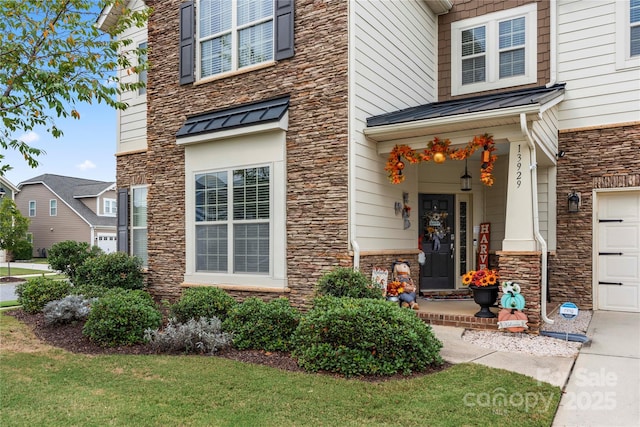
{"x": 107, "y": 242}
{"x": 619, "y": 251}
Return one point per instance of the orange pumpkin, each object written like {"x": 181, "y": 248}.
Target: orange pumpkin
{"x": 507, "y": 314}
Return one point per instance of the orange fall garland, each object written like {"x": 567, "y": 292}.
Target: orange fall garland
{"x": 438, "y": 150}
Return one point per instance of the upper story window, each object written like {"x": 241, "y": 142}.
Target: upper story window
{"x": 32, "y": 208}
{"x": 494, "y": 51}
{"x": 142, "y": 75}
{"x": 627, "y": 34}
{"x": 53, "y": 207}
{"x": 110, "y": 207}
{"x": 231, "y": 35}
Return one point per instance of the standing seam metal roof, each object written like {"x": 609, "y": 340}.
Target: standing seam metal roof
{"x": 494, "y": 101}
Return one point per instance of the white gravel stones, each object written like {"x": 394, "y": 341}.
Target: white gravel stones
{"x": 537, "y": 345}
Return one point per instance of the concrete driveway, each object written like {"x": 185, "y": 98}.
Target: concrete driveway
{"x": 604, "y": 386}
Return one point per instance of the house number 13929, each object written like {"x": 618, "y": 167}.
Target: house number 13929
{"x": 519, "y": 168}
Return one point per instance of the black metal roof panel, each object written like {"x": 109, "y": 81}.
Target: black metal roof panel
{"x": 494, "y": 101}
{"x": 229, "y": 118}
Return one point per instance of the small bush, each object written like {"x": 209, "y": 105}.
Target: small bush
{"x": 36, "y": 292}
{"x": 89, "y": 291}
{"x": 68, "y": 309}
{"x": 114, "y": 270}
{"x": 202, "y": 336}
{"x": 68, "y": 255}
{"x": 346, "y": 282}
{"x": 121, "y": 316}
{"x": 202, "y": 302}
{"x": 354, "y": 337}
{"x": 22, "y": 250}
{"x": 262, "y": 325}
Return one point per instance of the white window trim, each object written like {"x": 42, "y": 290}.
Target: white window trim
{"x": 134, "y": 227}
{"x": 623, "y": 30}
{"x": 142, "y": 92}
{"x": 51, "y": 201}
{"x": 250, "y": 150}
{"x": 490, "y": 21}
{"x": 235, "y": 69}
{"x": 111, "y": 203}
{"x": 34, "y": 208}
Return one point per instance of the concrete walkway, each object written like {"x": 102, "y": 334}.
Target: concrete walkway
{"x": 8, "y": 290}
{"x": 553, "y": 370}
{"x": 604, "y": 386}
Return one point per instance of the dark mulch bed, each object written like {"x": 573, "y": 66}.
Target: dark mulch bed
{"x": 10, "y": 279}
{"x": 70, "y": 338}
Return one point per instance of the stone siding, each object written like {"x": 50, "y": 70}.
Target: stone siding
{"x": 463, "y": 9}
{"x": 524, "y": 268}
{"x": 316, "y": 143}
{"x": 594, "y": 159}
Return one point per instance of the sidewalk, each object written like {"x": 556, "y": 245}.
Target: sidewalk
{"x": 550, "y": 369}
{"x": 29, "y": 265}
{"x": 604, "y": 387}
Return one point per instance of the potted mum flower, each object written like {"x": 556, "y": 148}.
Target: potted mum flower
{"x": 484, "y": 284}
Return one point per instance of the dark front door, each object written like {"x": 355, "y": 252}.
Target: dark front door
{"x": 437, "y": 220}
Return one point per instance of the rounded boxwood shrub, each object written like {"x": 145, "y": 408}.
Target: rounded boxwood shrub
{"x": 36, "y": 292}
{"x": 68, "y": 255}
{"x": 347, "y": 282}
{"x": 89, "y": 291}
{"x": 353, "y": 336}
{"x": 114, "y": 270}
{"x": 121, "y": 317}
{"x": 260, "y": 325}
{"x": 202, "y": 302}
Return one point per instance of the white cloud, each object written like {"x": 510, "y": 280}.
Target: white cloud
{"x": 29, "y": 137}
{"x": 86, "y": 165}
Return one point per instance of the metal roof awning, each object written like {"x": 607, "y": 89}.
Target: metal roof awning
{"x": 256, "y": 113}
{"x": 478, "y": 112}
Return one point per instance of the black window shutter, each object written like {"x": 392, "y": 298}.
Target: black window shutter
{"x": 284, "y": 29}
{"x": 187, "y": 40}
{"x": 123, "y": 220}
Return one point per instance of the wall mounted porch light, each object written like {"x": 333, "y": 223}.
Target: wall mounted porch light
{"x": 465, "y": 180}
{"x": 573, "y": 202}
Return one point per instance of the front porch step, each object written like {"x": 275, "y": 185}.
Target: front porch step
{"x": 459, "y": 320}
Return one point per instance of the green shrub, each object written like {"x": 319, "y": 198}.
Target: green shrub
{"x": 353, "y": 337}
{"x": 68, "y": 255}
{"x": 121, "y": 317}
{"x": 89, "y": 291}
{"x": 202, "y": 302}
{"x": 347, "y": 282}
{"x": 68, "y": 309}
{"x": 202, "y": 336}
{"x": 22, "y": 250}
{"x": 114, "y": 270}
{"x": 260, "y": 325}
{"x": 36, "y": 292}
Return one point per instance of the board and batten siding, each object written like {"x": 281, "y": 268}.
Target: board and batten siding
{"x": 599, "y": 93}
{"x": 132, "y": 122}
{"x": 392, "y": 66}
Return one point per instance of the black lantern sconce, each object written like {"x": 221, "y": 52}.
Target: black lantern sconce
{"x": 465, "y": 180}
{"x": 573, "y": 202}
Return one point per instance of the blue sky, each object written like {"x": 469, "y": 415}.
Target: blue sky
{"x": 86, "y": 150}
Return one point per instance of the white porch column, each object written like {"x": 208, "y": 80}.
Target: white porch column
{"x": 518, "y": 234}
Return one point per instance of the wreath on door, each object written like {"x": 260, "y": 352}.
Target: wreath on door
{"x": 435, "y": 227}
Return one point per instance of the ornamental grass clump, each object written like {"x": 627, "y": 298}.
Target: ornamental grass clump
{"x": 260, "y": 325}
{"x": 354, "y": 337}
{"x": 195, "y": 336}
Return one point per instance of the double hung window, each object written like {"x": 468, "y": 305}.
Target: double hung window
{"x": 233, "y": 34}
{"x": 233, "y": 221}
{"x": 53, "y": 207}
{"x": 139, "y": 223}
{"x": 627, "y": 34}
{"x": 494, "y": 51}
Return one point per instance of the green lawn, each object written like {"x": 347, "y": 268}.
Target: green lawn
{"x": 8, "y": 303}
{"x": 40, "y": 385}
{"x": 18, "y": 271}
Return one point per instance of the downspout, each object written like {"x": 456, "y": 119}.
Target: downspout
{"x": 553, "y": 43}
{"x": 355, "y": 247}
{"x": 536, "y": 218}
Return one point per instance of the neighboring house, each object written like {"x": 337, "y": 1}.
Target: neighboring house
{"x": 260, "y": 162}
{"x": 63, "y": 208}
{"x": 7, "y": 189}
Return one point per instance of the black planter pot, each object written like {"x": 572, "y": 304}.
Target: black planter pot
{"x": 485, "y": 297}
